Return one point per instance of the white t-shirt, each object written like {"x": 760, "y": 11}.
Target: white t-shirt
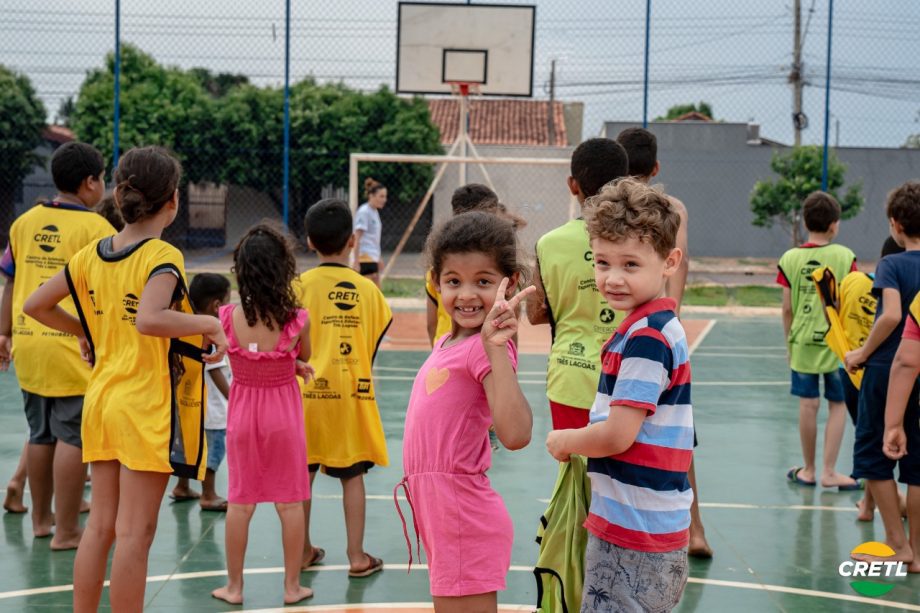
{"x": 216, "y": 418}
{"x": 368, "y": 219}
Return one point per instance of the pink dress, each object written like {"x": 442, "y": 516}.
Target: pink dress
{"x": 463, "y": 522}
{"x": 266, "y": 440}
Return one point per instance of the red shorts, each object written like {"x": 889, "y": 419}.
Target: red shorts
{"x": 568, "y": 418}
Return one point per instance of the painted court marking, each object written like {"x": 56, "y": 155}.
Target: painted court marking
{"x": 525, "y": 569}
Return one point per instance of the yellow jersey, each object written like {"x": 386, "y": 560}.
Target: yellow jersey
{"x": 857, "y": 307}
{"x": 445, "y": 323}
{"x": 914, "y": 310}
{"x": 42, "y": 241}
{"x": 145, "y": 401}
{"x": 349, "y": 317}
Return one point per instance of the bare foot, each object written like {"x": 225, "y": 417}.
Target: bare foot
{"x": 61, "y": 543}
{"x": 836, "y": 480}
{"x": 295, "y": 596}
{"x": 228, "y": 595}
{"x": 13, "y": 501}
{"x": 41, "y": 529}
{"x": 181, "y": 494}
{"x": 904, "y": 554}
{"x": 84, "y": 506}
{"x": 699, "y": 547}
{"x": 866, "y": 513}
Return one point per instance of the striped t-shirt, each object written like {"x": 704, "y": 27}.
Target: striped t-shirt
{"x": 641, "y": 498}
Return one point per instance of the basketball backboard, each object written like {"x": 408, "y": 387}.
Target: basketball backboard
{"x": 487, "y": 44}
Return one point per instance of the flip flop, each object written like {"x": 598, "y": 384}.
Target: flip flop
{"x": 853, "y": 487}
{"x": 218, "y": 506}
{"x": 793, "y": 477}
{"x": 374, "y": 565}
{"x": 319, "y": 554}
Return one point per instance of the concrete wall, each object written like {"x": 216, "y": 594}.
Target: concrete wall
{"x": 712, "y": 167}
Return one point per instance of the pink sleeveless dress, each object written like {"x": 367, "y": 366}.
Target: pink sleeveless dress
{"x": 266, "y": 440}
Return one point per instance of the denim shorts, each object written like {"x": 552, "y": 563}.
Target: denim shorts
{"x": 217, "y": 447}
{"x": 806, "y": 385}
{"x": 620, "y": 580}
{"x": 869, "y": 461}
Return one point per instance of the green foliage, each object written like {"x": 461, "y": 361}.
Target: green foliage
{"x": 682, "y": 109}
{"x": 799, "y": 173}
{"x": 22, "y": 119}
{"x": 227, "y": 130}
{"x": 912, "y": 142}
{"x": 159, "y": 106}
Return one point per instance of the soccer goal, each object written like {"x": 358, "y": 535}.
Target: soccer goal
{"x": 532, "y": 188}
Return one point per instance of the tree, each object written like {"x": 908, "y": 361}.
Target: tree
{"x": 799, "y": 171}
{"x": 159, "y": 106}
{"x": 220, "y": 84}
{"x": 682, "y": 109}
{"x": 22, "y": 119}
{"x": 912, "y": 142}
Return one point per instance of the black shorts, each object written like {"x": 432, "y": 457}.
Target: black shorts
{"x": 369, "y": 268}
{"x": 343, "y": 472}
{"x": 869, "y": 461}
{"x": 53, "y": 419}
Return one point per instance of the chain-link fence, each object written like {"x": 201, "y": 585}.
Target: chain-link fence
{"x": 206, "y": 79}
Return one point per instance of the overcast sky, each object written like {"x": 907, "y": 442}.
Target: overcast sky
{"x": 734, "y": 54}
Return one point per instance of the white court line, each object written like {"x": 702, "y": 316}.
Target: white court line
{"x": 702, "y": 335}
{"x": 759, "y": 356}
{"x": 526, "y": 569}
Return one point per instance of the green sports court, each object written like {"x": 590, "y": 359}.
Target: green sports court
{"x": 777, "y": 546}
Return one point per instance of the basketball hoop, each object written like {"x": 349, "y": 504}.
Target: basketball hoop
{"x": 461, "y": 88}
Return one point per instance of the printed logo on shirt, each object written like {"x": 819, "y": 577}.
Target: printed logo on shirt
{"x": 810, "y": 267}
{"x": 92, "y": 298}
{"x": 130, "y": 302}
{"x": 344, "y": 296}
{"x": 344, "y": 348}
{"x": 607, "y": 316}
{"x": 320, "y": 391}
{"x": 364, "y": 386}
{"x": 48, "y": 239}
{"x": 576, "y": 348}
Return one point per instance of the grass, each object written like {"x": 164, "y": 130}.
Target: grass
{"x": 404, "y": 287}
{"x": 740, "y": 295}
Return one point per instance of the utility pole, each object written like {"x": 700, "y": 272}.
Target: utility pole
{"x": 799, "y": 120}
{"x": 551, "y": 112}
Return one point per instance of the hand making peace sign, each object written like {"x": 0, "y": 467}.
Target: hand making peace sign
{"x": 501, "y": 322}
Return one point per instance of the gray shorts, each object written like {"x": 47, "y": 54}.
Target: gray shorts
{"x": 619, "y": 580}
{"x": 53, "y": 419}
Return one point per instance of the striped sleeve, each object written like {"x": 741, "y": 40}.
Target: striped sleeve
{"x": 645, "y": 366}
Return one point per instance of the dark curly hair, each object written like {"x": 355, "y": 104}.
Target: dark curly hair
{"x": 264, "y": 264}
{"x": 478, "y": 232}
{"x": 903, "y": 206}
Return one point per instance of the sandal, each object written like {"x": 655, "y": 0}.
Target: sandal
{"x": 318, "y": 555}
{"x": 373, "y": 565}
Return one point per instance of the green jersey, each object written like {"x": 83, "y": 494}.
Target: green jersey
{"x": 808, "y": 352}
{"x": 580, "y": 318}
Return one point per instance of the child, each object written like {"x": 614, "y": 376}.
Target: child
{"x": 368, "y": 230}
{"x": 897, "y": 281}
{"x": 465, "y": 198}
{"x": 208, "y": 292}
{"x": 566, "y": 297}
{"x": 642, "y": 149}
{"x": 902, "y": 434}
{"x": 805, "y": 326}
{"x": 42, "y": 241}
{"x": 124, "y": 287}
{"x": 266, "y": 448}
{"x": 467, "y": 383}
{"x": 340, "y": 410}
{"x": 640, "y": 439}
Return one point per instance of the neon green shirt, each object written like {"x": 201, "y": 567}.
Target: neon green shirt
{"x": 581, "y": 319}
{"x": 808, "y": 352}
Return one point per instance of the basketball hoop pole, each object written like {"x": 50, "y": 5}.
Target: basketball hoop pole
{"x": 462, "y": 133}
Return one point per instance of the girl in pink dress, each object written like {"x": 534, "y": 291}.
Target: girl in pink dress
{"x": 468, "y": 383}
{"x": 269, "y": 345}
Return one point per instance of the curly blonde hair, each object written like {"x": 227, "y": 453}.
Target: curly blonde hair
{"x": 628, "y": 208}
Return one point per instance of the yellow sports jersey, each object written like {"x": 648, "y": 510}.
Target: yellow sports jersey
{"x": 445, "y": 324}
{"x": 42, "y": 241}
{"x": 349, "y": 317}
{"x": 857, "y": 307}
{"x": 580, "y": 317}
{"x": 145, "y": 401}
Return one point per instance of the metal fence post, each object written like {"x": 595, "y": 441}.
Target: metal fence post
{"x": 117, "y": 118}
{"x": 827, "y": 94}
